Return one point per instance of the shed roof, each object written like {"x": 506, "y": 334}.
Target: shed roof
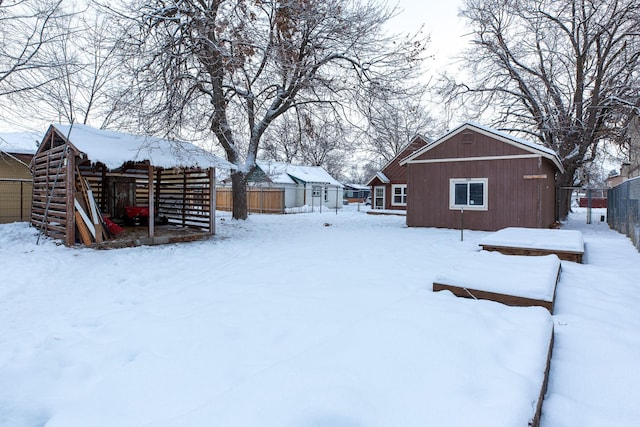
{"x": 286, "y": 173}
{"x": 113, "y": 149}
{"x": 417, "y": 142}
{"x": 20, "y": 142}
{"x": 502, "y": 136}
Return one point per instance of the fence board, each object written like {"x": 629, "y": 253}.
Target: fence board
{"x": 259, "y": 200}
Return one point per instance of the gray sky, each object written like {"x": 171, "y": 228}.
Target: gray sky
{"x": 440, "y": 19}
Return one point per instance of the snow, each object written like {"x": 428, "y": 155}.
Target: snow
{"x": 115, "y": 148}
{"x": 286, "y": 173}
{"x": 307, "y": 320}
{"x": 522, "y": 276}
{"x": 20, "y": 142}
{"x": 537, "y": 238}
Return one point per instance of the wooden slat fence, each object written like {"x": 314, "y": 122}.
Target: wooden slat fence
{"x": 15, "y": 200}
{"x": 259, "y": 200}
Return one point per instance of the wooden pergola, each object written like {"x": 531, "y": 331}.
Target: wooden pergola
{"x": 83, "y": 175}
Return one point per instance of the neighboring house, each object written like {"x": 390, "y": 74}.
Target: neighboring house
{"x": 16, "y": 152}
{"x": 121, "y": 175}
{"x": 310, "y": 186}
{"x": 356, "y": 193}
{"x": 482, "y": 179}
{"x": 389, "y": 185}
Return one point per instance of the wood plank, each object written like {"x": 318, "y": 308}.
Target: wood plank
{"x": 493, "y": 296}
{"x": 85, "y": 217}
{"x": 82, "y": 229}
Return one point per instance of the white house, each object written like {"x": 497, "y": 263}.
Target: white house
{"x": 304, "y": 186}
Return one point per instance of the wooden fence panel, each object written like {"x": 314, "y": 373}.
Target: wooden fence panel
{"x": 259, "y": 200}
{"x": 15, "y": 200}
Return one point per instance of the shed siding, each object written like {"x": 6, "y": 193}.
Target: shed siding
{"x": 512, "y": 199}
{"x": 479, "y": 145}
{"x": 397, "y": 174}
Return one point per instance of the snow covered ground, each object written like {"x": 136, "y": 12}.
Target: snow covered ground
{"x": 307, "y": 320}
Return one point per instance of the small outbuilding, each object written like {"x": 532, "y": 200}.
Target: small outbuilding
{"x": 16, "y": 151}
{"x": 481, "y": 179}
{"x": 86, "y": 179}
{"x": 389, "y": 184}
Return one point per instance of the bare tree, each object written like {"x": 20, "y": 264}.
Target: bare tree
{"x": 312, "y": 136}
{"x": 392, "y": 121}
{"x": 562, "y": 71}
{"x": 234, "y": 66}
{"x": 26, "y": 28}
{"x": 88, "y": 85}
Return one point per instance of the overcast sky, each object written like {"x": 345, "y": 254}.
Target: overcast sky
{"x": 440, "y": 19}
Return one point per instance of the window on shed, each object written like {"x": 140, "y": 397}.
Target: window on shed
{"x": 399, "y": 195}
{"x": 468, "y": 193}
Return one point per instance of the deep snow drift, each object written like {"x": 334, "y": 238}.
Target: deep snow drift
{"x": 307, "y": 320}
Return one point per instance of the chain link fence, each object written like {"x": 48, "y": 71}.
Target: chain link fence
{"x": 15, "y": 200}
{"x": 623, "y": 207}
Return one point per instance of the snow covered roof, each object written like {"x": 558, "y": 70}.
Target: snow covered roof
{"x": 20, "y": 142}
{"x": 505, "y": 137}
{"x": 113, "y": 149}
{"x": 285, "y": 173}
{"x": 356, "y": 186}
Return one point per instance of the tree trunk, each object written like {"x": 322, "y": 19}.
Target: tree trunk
{"x": 239, "y": 194}
{"x": 565, "y": 183}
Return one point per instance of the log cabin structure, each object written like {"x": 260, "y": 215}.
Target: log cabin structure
{"x": 88, "y": 181}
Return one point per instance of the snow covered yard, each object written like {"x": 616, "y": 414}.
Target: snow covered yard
{"x": 286, "y": 321}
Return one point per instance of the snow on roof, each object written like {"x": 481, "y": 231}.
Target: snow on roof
{"x": 545, "y": 151}
{"x": 115, "y": 148}
{"x": 357, "y": 186}
{"x": 381, "y": 176}
{"x": 20, "y": 142}
{"x": 285, "y": 173}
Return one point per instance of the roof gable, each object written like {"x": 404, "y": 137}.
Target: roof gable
{"x": 494, "y": 134}
{"x": 114, "y": 149}
{"x": 391, "y": 168}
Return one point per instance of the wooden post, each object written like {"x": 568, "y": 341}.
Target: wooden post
{"x": 152, "y": 196}
{"x": 70, "y": 186}
{"x": 212, "y": 201}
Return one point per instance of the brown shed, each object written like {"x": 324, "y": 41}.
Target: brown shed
{"x": 79, "y": 171}
{"x": 482, "y": 179}
{"x": 389, "y": 185}
{"x": 16, "y": 151}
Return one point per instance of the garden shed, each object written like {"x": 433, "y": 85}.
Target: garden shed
{"x": 88, "y": 182}
{"x": 481, "y": 179}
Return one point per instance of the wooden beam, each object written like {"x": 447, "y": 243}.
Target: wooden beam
{"x": 70, "y": 187}
{"x": 212, "y": 201}
{"x": 541, "y": 176}
{"x": 152, "y": 202}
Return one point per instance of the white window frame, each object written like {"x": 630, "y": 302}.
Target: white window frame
{"x": 375, "y": 198}
{"x": 403, "y": 194}
{"x": 468, "y": 181}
